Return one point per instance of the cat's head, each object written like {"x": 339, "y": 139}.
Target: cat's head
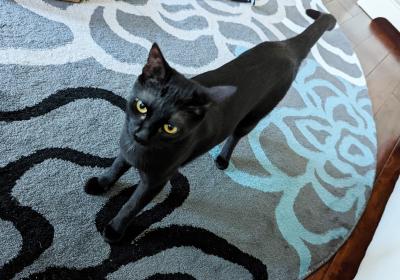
{"x": 165, "y": 107}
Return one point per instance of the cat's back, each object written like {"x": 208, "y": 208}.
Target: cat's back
{"x": 274, "y": 57}
{"x": 266, "y": 64}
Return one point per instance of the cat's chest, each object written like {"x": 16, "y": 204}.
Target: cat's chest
{"x": 147, "y": 159}
{"x": 138, "y": 157}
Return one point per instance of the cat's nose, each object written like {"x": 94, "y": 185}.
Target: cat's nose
{"x": 142, "y": 137}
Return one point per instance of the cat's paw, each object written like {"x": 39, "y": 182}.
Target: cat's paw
{"x": 221, "y": 163}
{"x": 93, "y": 186}
{"x": 110, "y": 235}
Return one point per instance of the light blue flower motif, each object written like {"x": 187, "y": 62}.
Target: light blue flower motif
{"x": 341, "y": 137}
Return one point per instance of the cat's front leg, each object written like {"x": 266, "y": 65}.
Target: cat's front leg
{"x": 147, "y": 189}
{"x": 101, "y": 184}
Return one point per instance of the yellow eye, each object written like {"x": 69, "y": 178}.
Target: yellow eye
{"x": 170, "y": 129}
{"x": 141, "y": 107}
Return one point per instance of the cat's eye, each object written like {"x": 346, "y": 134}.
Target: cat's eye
{"x": 170, "y": 129}
{"x": 140, "y": 107}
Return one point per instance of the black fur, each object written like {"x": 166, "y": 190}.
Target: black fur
{"x": 226, "y": 103}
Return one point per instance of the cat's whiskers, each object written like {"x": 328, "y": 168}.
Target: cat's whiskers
{"x": 131, "y": 147}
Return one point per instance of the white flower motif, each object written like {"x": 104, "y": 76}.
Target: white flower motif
{"x": 77, "y": 19}
{"x": 334, "y": 148}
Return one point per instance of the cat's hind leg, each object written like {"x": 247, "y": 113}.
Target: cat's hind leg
{"x": 242, "y": 129}
{"x": 101, "y": 184}
{"x": 222, "y": 160}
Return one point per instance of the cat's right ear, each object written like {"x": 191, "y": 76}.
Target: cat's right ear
{"x": 218, "y": 94}
{"x": 156, "y": 67}
{"x": 213, "y": 95}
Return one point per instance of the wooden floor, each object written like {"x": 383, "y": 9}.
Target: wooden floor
{"x": 377, "y": 45}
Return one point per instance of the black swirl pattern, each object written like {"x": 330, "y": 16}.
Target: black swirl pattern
{"x": 37, "y": 233}
{"x": 62, "y": 98}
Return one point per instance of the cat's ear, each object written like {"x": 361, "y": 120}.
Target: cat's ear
{"x": 156, "y": 67}
{"x": 218, "y": 94}
{"x": 214, "y": 95}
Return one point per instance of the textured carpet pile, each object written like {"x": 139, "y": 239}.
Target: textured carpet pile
{"x": 294, "y": 190}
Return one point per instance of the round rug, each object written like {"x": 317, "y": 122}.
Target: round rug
{"x": 291, "y": 196}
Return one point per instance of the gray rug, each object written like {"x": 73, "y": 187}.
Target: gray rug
{"x": 293, "y": 193}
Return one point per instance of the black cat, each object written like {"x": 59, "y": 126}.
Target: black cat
{"x": 170, "y": 120}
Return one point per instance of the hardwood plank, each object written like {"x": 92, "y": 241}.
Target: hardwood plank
{"x": 346, "y": 262}
{"x": 338, "y": 11}
{"x": 357, "y": 28}
{"x": 371, "y": 52}
{"x": 387, "y": 128}
{"x": 383, "y": 80}
{"x": 396, "y": 91}
{"x": 351, "y": 7}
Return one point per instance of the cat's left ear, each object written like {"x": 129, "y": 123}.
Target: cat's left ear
{"x": 214, "y": 95}
{"x": 218, "y": 94}
{"x": 156, "y": 67}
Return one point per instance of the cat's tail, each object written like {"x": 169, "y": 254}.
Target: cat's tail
{"x": 303, "y": 42}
